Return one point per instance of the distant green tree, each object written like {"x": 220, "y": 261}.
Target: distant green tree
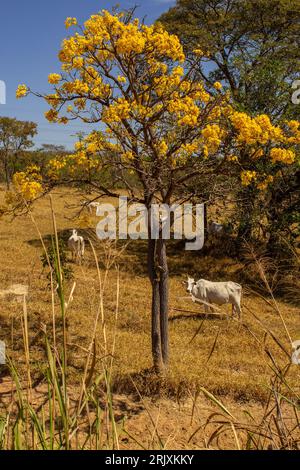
{"x": 39, "y": 156}
{"x": 15, "y": 137}
{"x": 252, "y": 47}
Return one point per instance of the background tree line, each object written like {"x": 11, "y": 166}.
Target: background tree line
{"x": 16, "y": 149}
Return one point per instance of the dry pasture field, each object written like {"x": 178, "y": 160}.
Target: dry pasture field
{"x": 232, "y": 360}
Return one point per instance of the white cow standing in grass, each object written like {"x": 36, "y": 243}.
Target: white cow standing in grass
{"x": 218, "y": 293}
{"x": 77, "y": 246}
{"x": 92, "y": 205}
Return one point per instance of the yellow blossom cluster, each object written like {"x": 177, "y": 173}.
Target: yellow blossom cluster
{"x": 294, "y": 132}
{"x": 51, "y": 115}
{"x": 107, "y": 40}
{"x": 117, "y": 111}
{"x": 286, "y": 156}
{"x": 122, "y": 79}
{"x": 257, "y": 130}
{"x": 162, "y": 148}
{"x": 22, "y": 91}
{"x": 212, "y": 136}
{"x": 186, "y": 151}
{"x": 247, "y": 177}
{"x": 167, "y": 83}
{"x": 185, "y": 109}
{"x": 218, "y": 86}
{"x": 54, "y": 78}
{"x": 294, "y": 126}
{"x": 127, "y": 156}
{"x": 164, "y": 43}
{"x": 233, "y": 158}
{"x": 74, "y": 164}
{"x": 78, "y": 87}
{"x": 28, "y": 184}
{"x": 106, "y": 33}
{"x": 263, "y": 139}
{"x": 70, "y": 22}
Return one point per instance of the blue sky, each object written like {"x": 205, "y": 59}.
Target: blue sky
{"x": 31, "y": 32}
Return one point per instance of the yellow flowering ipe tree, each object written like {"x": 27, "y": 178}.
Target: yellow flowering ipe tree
{"x": 153, "y": 119}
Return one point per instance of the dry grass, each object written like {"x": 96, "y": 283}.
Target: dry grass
{"x": 226, "y": 357}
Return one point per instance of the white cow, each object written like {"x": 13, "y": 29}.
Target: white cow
{"x": 214, "y": 228}
{"x": 76, "y": 245}
{"x": 296, "y": 352}
{"x": 92, "y": 205}
{"x": 218, "y": 293}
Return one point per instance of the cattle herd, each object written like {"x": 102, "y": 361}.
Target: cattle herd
{"x": 206, "y": 292}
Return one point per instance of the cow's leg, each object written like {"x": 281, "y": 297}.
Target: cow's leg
{"x": 237, "y": 308}
{"x": 206, "y": 310}
{"x": 239, "y": 311}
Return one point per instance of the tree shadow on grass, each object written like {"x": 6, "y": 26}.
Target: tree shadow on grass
{"x": 62, "y": 234}
{"x": 204, "y": 263}
{"x": 198, "y": 316}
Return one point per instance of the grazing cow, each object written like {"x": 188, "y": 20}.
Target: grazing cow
{"x": 92, "y": 205}
{"x": 296, "y": 352}
{"x": 214, "y": 228}
{"x": 76, "y": 245}
{"x": 218, "y": 293}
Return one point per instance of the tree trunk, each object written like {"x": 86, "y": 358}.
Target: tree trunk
{"x": 164, "y": 299}
{"x": 159, "y": 278}
{"x": 155, "y": 309}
